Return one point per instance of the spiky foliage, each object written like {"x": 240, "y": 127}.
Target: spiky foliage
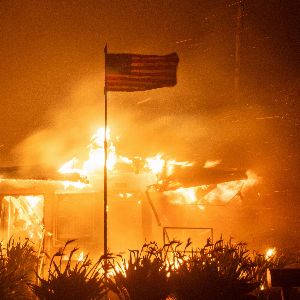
{"x": 71, "y": 280}
{"x": 18, "y": 262}
{"x": 264, "y": 264}
{"x": 143, "y": 276}
{"x": 218, "y": 271}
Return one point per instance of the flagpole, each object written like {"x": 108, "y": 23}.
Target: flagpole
{"x": 105, "y": 161}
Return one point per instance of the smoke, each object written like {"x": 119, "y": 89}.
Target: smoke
{"x": 66, "y": 130}
{"x": 144, "y": 128}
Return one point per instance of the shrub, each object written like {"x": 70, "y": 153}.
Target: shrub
{"x": 217, "y": 271}
{"x": 143, "y": 276}
{"x": 18, "y": 262}
{"x": 67, "y": 280}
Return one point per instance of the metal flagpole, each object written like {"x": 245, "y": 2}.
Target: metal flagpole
{"x": 105, "y": 161}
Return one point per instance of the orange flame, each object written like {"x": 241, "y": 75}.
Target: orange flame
{"x": 271, "y": 252}
{"x": 26, "y": 217}
{"x": 208, "y": 195}
{"x": 96, "y": 156}
{"x": 158, "y": 166}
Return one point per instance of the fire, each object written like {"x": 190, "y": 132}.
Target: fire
{"x": 74, "y": 184}
{"x": 69, "y": 167}
{"x": 271, "y": 252}
{"x": 81, "y": 257}
{"x": 211, "y": 163}
{"x": 224, "y": 191}
{"x": 129, "y": 177}
{"x": 157, "y": 167}
{"x": 95, "y": 163}
{"x": 26, "y": 216}
{"x": 33, "y": 201}
{"x": 96, "y": 156}
{"x": 205, "y": 194}
{"x": 156, "y": 164}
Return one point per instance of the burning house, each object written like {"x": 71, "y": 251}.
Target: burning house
{"x": 146, "y": 198}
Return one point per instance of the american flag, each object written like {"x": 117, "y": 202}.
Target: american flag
{"x": 136, "y": 72}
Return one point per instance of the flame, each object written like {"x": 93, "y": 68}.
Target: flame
{"x": 96, "y": 156}
{"x": 69, "y": 167}
{"x": 271, "y": 252}
{"x": 224, "y": 191}
{"x": 156, "y": 164}
{"x": 74, "y": 184}
{"x": 212, "y": 163}
{"x": 125, "y": 195}
{"x": 80, "y": 256}
{"x": 118, "y": 269}
{"x": 159, "y": 167}
{"x": 26, "y": 216}
{"x": 206, "y": 194}
{"x": 33, "y": 201}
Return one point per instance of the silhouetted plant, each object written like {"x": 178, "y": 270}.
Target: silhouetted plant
{"x": 143, "y": 276}
{"x": 72, "y": 280}
{"x": 279, "y": 260}
{"x": 217, "y": 271}
{"x": 18, "y": 262}
{"x": 221, "y": 270}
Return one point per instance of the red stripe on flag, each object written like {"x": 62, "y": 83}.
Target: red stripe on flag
{"x": 132, "y": 72}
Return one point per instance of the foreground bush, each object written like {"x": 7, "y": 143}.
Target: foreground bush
{"x": 82, "y": 280}
{"x": 18, "y": 262}
{"x": 217, "y": 271}
{"x": 143, "y": 276}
